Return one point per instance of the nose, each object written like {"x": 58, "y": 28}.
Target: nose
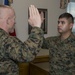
{"x": 59, "y": 23}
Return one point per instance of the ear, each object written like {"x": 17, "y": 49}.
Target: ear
{"x": 8, "y": 21}
{"x": 71, "y": 25}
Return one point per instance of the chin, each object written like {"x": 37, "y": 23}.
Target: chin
{"x": 59, "y": 31}
{"x": 11, "y": 30}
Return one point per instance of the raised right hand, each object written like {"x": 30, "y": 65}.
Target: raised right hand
{"x": 34, "y": 17}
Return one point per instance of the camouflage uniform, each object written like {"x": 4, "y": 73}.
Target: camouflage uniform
{"x": 62, "y": 55}
{"x": 12, "y": 50}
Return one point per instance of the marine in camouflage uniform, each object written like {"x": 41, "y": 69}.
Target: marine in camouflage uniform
{"x": 62, "y": 47}
{"x": 62, "y": 55}
{"x": 12, "y": 50}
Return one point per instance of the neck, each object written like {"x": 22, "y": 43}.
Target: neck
{"x": 65, "y": 35}
{"x": 5, "y": 29}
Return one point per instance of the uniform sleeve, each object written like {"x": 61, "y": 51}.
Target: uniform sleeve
{"x": 46, "y": 42}
{"x": 24, "y": 52}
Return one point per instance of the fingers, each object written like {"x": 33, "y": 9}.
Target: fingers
{"x": 33, "y": 10}
{"x": 37, "y": 12}
{"x": 34, "y": 16}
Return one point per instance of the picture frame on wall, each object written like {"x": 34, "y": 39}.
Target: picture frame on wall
{"x": 64, "y": 3}
{"x": 44, "y": 13}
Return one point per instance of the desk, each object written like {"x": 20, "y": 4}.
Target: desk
{"x": 39, "y": 68}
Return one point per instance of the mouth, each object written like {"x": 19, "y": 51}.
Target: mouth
{"x": 59, "y": 29}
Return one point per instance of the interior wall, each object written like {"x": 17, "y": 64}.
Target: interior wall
{"x": 21, "y": 10}
{"x": 1, "y": 1}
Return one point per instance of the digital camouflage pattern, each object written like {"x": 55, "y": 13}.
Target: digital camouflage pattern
{"x": 12, "y": 50}
{"x": 62, "y": 55}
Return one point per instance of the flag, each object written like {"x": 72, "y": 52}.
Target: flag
{"x": 6, "y": 2}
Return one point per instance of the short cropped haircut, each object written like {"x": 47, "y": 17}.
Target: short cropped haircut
{"x": 68, "y": 16}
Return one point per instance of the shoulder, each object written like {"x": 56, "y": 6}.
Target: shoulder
{"x": 72, "y": 37}
{"x": 52, "y": 38}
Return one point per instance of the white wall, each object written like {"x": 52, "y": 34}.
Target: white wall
{"x": 21, "y": 9}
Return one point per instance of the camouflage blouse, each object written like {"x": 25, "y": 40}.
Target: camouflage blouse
{"x": 12, "y": 50}
{"x": 62, "y": 55}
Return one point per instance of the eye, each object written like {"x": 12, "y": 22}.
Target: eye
{"x": 62, "y": 22}
{"x": 58, "y": 22}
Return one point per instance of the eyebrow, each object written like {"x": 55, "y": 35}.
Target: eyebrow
{"x": 61, "y": 21}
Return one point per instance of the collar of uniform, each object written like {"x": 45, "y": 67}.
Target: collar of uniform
{"x": 2, "y": 32}
{"x": 70, "y": 38}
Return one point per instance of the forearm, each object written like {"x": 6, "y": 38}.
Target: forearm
{"x": 26, "y": 51}
{"x": 33, "y": 44}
